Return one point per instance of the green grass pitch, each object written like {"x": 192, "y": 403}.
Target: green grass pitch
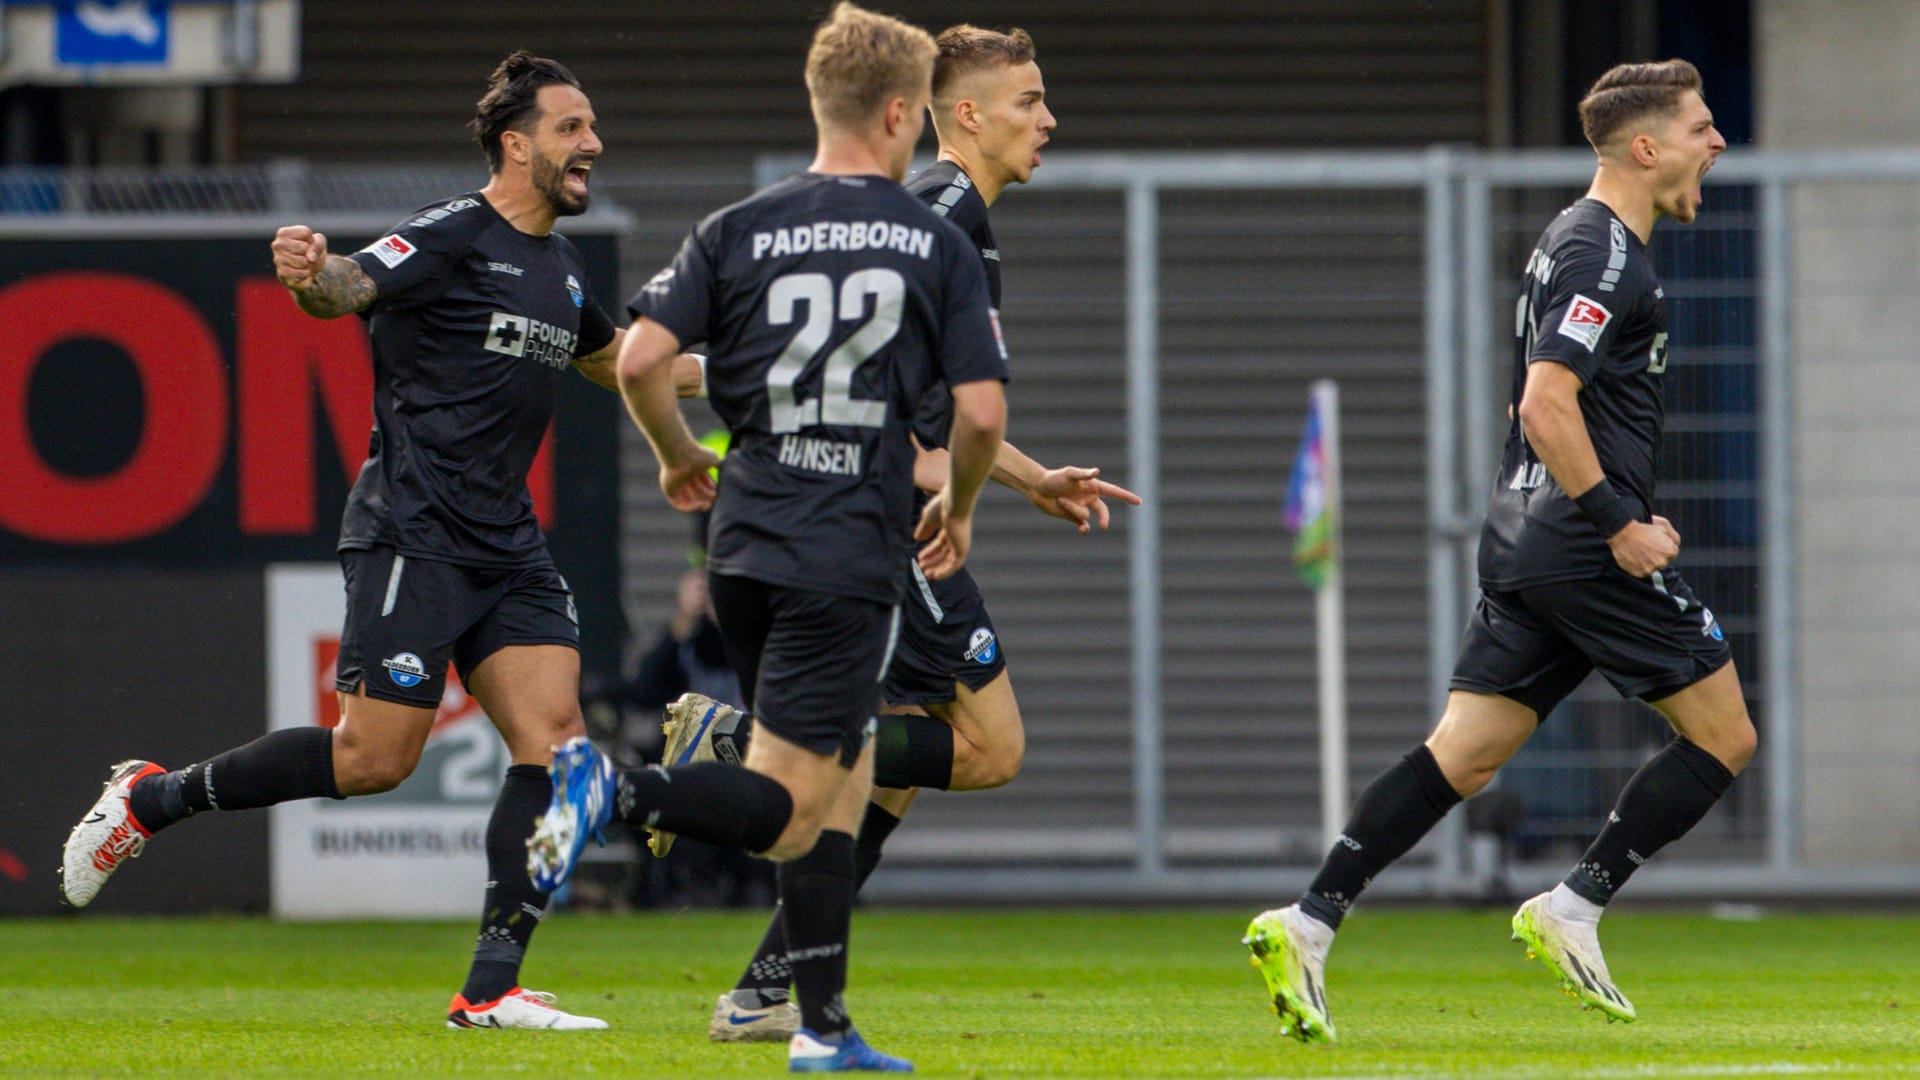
{"x": 998, "y": 993}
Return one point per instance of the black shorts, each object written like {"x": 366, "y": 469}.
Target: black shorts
{"x": 809, "y": 662}
{"x": 946, "y": 637}
{"x": 1650, "y": 637}
{"x": 408, "y": 616}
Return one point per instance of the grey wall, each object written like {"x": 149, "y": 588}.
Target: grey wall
{"x": 1839, "y": 73}
{"x": 719, "y": 82}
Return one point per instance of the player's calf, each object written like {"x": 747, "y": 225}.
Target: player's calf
{"x": 980, "y": 766}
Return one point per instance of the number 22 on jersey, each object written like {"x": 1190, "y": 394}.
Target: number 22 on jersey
{"x": 789, "y": 410}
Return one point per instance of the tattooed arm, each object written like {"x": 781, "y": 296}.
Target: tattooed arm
{"x": 325, "y": 286}
{"x": 598, "y": 366}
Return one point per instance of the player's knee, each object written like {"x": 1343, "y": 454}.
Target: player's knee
{"x": 366, "y": 770}
{"x": 797, "y": 838}
{"x": 534, "y": 741}
{"x": 1736, "y": 747}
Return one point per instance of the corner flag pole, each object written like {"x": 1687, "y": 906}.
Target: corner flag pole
{"x": 1330, "y": 627}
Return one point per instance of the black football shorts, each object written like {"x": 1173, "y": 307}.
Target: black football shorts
{"x": 1650, "y": 637}
{"x": 809, "y": 663}
{"x": 407, "y": 617}
{"x": 946, "y": 637}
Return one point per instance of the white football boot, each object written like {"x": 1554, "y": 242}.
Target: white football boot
{"x": 1290, "y": 952}
{"x": 734, "y": 1022}
{"x": 518, "y": 1008}
{"x": 1572, "y": 949}
{"x": 106, "y": 837}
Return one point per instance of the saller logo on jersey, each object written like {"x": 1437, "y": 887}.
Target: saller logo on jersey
{"x": 1584, "y": 321}
{"x": 391, "y": 250}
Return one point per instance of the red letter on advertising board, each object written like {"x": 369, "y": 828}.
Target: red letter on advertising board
{"x": 184, "y": 383}
{"x": 285, "y": 357}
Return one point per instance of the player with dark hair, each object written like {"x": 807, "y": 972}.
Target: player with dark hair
{"x": 830, "y": 303}
{"x": 951, "y": 720}
{"x": 1575, "y": 570}
{"x": 475, "y": 307}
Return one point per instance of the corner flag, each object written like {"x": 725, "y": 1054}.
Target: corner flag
{"x": 1308, "y": 515}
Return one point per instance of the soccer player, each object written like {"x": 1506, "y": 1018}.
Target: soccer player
{"x": 952, "y": 721}
{"x": 476, "y": 307}
{"x": 829, "y": 302}
{"x": 1576, "y": 571}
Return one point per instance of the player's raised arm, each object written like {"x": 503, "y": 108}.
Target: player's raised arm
{"x": 325, "y": 286}
{"x": 645, "y": 371}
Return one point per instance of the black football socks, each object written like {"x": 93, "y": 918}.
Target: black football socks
{"x": 908, "y": 751}
{"x": 1668, "y": 796}
{"x": 707, "y": 801}
{"x": 816, "y": 904}
{"x": 764, "y": 983}
{"x": 292, "y": 763}
{"x": 513, "y": 906}
{"x": 1391, "y": 816}
{"x": 912, "y": 751}
{"x": 875, "y": 827}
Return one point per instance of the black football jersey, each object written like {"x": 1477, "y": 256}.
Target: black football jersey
{"x": 1588, "y": 300}
{"x": 947, "y": 189}
{"x": 474, "y": 326}
{"x": 828, "y": 304}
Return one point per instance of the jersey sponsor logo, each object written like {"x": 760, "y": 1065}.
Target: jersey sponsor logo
{"x": 1657, "y": 355}
{"x": 981, "y": 647}
{"x": 405, "y": 669}
{"x": 391, "y": 250}
{"x": 844, "y": 236}
{"x": 820, "y": 455}
{"x": 999, "y": 340}
{"x": 505, "y": 268}
{"x": 517, "y": 335}
{"x": 573, "y": 290}
{"x": 1585, "y": 321}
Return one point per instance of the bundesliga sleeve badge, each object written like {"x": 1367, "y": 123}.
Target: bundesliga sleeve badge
{"x": 1585, "y": 321}
{"x": 391, "y": 250}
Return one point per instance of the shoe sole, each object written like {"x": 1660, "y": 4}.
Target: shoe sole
{"x": 1271, "y": 955}
{"x": 1590, "y": 991}
{"x": 550, "y": 873}
{"x": 680, "y": 751}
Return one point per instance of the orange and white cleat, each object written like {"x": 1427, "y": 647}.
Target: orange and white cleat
{"x": 106, "y": 837}
{"x": 518, "y": 1008}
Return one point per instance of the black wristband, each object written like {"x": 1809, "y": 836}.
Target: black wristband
{"x": 1603, "y": 507}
